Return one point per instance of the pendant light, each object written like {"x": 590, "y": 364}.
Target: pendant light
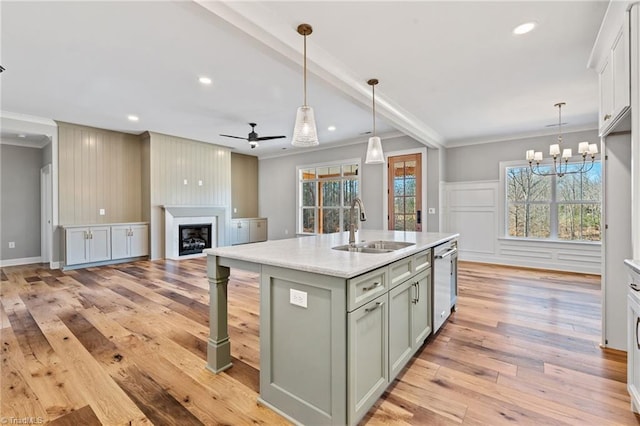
{"x": 374, "y": 148}
{"x": 560, "y": 165}
{"x": 304, "y": 131}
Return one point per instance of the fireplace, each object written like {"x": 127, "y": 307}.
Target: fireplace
{"x": 193, "y": 238}
{"x": 178, "y": 217}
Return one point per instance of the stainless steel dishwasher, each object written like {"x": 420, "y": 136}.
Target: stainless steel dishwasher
{"x": 445, "y": 286}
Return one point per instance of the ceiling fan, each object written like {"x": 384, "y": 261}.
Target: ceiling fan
{"x": 253, "y": 137}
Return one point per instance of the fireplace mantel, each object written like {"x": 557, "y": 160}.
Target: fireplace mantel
{"x": 173, "y": 215}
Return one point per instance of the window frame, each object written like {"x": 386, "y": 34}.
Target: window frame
{"x": 553, "y": 207}
{"x": 341, "y": 208}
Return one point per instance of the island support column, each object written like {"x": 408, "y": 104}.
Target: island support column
{"x": 219, "y": 347}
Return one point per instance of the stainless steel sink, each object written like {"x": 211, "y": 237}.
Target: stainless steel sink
{"x": 387, "y": 245}
{"x": 374, "y": 246}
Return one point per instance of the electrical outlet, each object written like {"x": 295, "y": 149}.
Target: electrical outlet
{"x": 298, "y": 298}
{"x": 432, "y": 210}
{"x": 102, "y": 212}
{"x": 235, "y": 210}
{"x": 12, "y": 244}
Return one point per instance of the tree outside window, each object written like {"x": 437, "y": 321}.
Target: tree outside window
{"x": 558, "y": 208}
{"x": 325, "y": 198}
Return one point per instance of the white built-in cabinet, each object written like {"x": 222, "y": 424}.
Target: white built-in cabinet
{"x": 88, "y": 244}
{"x": 131, "y": 240}
{"x": 615, "y": 81}
{"x": 633, "y": 343}
{"x": 92, "y": 244}
{"x": 245, "y": 231}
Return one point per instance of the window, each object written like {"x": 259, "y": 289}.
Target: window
{"x": 325, "y": 193}
{"x": 566, "y": 208}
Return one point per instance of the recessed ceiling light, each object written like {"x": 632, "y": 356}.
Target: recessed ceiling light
{"x": 133, "y": 117}
{"x": 22, "y": 135}
{"x": 331, "y": 128}
{"x": 524, "y": 28}
{"x": 204, "y": 80}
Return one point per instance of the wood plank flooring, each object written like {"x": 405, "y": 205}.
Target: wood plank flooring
{"x": 126, "y": 344}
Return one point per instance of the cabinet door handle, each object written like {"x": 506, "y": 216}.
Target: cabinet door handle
{"x": 418, "y": 289}
{"x": 376, "y": 306}
{"x": 637, "y": 338}
{"x": 634, "y": 286}
{"x": 376, "y": 284}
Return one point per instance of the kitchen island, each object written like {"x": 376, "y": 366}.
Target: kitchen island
{"x": 336, "y": 327}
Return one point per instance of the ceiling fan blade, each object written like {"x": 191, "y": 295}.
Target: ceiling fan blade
{"x": 266, "y": 138}
{"x": 235, "y": 137}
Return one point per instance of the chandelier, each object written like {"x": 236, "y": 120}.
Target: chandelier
{"x": 561, "y": 163}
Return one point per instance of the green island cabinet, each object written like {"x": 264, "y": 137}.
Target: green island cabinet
{"x": 330, "y": 345}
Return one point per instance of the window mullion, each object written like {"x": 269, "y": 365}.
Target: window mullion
{"x": 553, "y": 210}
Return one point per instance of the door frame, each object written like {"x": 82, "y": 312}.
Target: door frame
{"x": 46, "y": 214}
{"x": 385, "y": 180}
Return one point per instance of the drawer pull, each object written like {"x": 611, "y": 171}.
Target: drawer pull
{"x": 376, "y": 284}
{"x": 634, "y": 286}
{"x": 607, "y": 116}
{"x": 637, "y": 338}
{"x": 376, "y": 306}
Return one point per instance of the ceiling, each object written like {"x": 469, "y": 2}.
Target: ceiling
{"x": 450, "y": 72}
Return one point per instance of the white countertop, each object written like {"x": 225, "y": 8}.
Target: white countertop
{"x": 315, "y": 254}
{"x": 633, "y": 264}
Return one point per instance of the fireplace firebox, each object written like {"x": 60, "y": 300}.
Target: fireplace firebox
{"x": 193, "y": 238}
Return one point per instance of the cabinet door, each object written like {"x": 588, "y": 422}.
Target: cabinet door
{"x": 421, "y": 309}
{"x": 76, "y": 246}
{"x": 120, "y": 242}
{"x": 368, "y": 356}
{"x": 139, "y": 240}
{"x": 401, "y": 300}
{"x": 621, "y": 76}
{"x": 258, "y": 230}
{"x": 100, "y": 243}
{"x": 240, "y": 231}
{"x": 606, "y": 95}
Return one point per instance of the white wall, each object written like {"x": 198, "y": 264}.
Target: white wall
{"x": 474, "y": 209}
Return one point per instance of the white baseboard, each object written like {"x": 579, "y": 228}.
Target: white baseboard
{"x": 23, "y": 261}
{"x": 532, "y": 263}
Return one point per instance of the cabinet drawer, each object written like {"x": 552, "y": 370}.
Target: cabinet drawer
{"x": 400, "y": 271}
{"x": 366, "y": 287}
{"x": 422, "y": 260}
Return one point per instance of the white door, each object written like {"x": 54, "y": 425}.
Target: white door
{"x": 46, "y": 214}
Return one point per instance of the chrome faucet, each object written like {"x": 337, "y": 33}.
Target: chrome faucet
{"x": 353, "y": 225}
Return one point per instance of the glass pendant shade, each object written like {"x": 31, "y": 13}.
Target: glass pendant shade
{"x": 304, "y": 131}
{"x": 374, "y": 151}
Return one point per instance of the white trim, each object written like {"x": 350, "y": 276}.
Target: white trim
{"x": 17, "y": 262}
{"x": 46, "y": 214}
{"x": 454, "y": 143}
{"x": 335, "y": 163}
{"x": 332, "y": 145}
{"x": 385, "y": 177}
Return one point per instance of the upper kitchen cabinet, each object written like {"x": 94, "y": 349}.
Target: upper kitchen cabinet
{"x": 611, "y": 59}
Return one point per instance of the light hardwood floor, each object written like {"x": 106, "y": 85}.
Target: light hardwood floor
{"x": 126, "y": 344}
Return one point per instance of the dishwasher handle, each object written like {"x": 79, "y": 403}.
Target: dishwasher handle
{"x": 446, "y": 254}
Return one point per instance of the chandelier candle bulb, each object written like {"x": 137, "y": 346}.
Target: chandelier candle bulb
{"x": 583, "y": 147}
{"x": 593, "y": 149}
{"x": 538, "y": 156}
{"x": 530, "y": 155}
{"x": 566, "y": 153}
{"x": 554, "y": 150}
